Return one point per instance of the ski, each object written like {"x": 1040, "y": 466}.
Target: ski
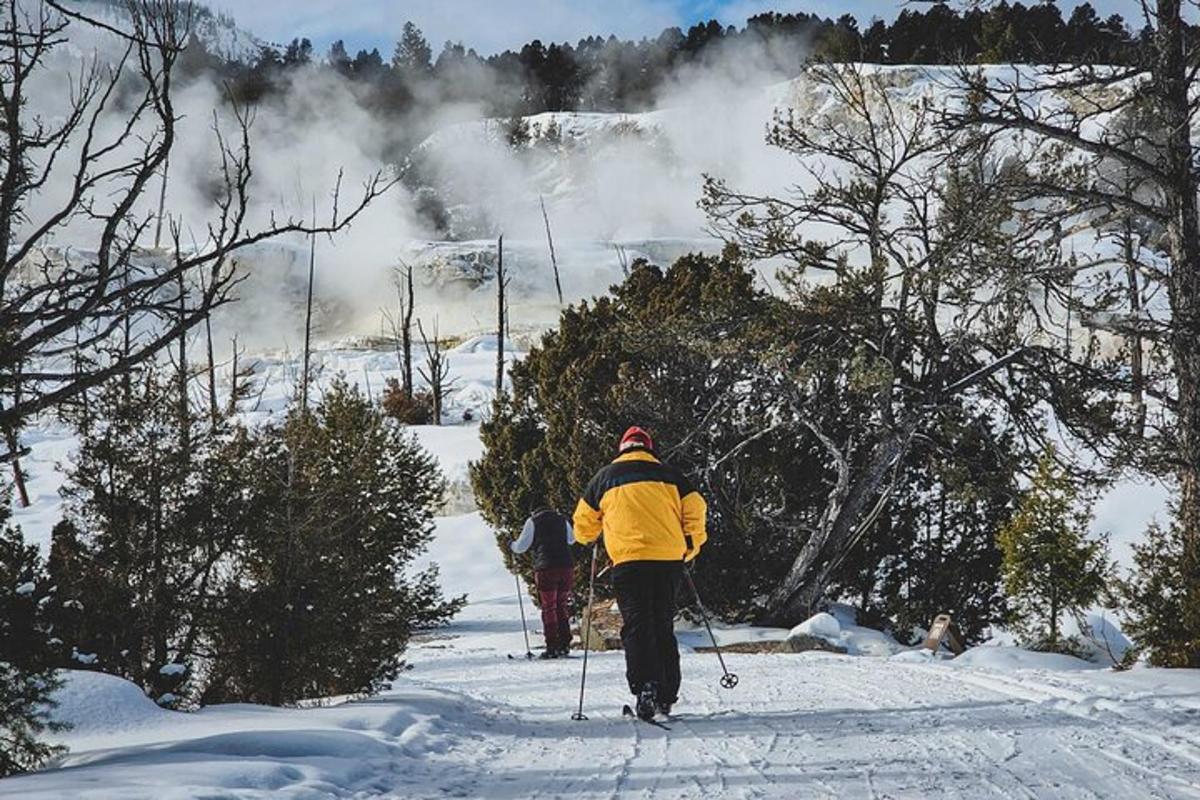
{"x": 628, "y": 712}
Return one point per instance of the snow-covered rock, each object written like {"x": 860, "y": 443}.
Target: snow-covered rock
{"x": 822, "y": 625}
{"x": 838, "y": 628}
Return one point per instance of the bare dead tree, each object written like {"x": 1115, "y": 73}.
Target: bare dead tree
{"x": 214, "y": 408}
{"x": 62, "y": 312}
{"x": 308, "y": 307}
{"x": 436, "y": 371}
{"x": 407, "y": 307}
{"x": 162, "y": 204}
{"x": 182, "y": 375}
{"x": 622, "y": 259}
{"x": 501, "y": 315}
{"x": 399, "y": 325}
{"x": 553, "y": 257}
{"x": 241, "y": 377}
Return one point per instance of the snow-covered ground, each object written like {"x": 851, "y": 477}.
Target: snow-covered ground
{"x": 466, "y": 721}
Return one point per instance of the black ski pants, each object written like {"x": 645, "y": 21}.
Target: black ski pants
{"x": 646, "y": 596}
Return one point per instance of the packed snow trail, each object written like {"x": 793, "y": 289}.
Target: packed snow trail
{"x": 466, "y": 721}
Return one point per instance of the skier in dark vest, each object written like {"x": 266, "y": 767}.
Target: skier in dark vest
{"x": 548, "y": 536}
{"x": 653, "y": 520}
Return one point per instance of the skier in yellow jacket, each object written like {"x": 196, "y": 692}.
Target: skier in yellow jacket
{"x": 653, "y": 520}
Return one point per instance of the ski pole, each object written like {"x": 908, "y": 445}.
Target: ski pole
{"x": 521, "y": 604}
{"x": 587, "y": 636}
{"x": 728, "y": 679}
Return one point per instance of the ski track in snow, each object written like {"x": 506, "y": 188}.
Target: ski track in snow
{"x": 466, "y": 721}
{"x": 815, "y": 726}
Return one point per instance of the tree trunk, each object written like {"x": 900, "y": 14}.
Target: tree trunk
{"x": 214, "y": 409}
{"x": 406, "y": 333}
{"x": 308, "y": 305}
{"x": 1137, "y": 368}
{"x": 182, "y": 376}
{"x": 13, "y": 442}
{"x": 553, "y": 257}
{"x": 162, "y": 203}
{"x": 500, "y": 319}
{"x": 1053, "y": 620}
{"x": 14, "y": 449}
{"x": 1183, "y": 236}
{"x": 802, "y": 589}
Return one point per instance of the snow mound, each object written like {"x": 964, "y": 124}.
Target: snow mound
{"x": 360, "y": 748}
{"x": 1009, "y": 659}
{"x": 822, "y": 625}
{"x": 1097, "y": 632}
{"x": 1103, "y": 641}
{"x": 839, "y": 627}
{"x": 918, "y": 655}
{"x": 94, "y": 703}
{"x": 287, "y": 745}
{"x": 861, "y": 641}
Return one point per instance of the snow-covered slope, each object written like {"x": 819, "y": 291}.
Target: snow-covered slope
{"x": 466, "y": 721}
{"x": 219, "y": 33}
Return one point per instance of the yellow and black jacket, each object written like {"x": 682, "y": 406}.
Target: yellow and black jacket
{"x": 647, "y": 511}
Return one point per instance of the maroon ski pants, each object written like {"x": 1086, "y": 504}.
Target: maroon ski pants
{"x": 554, "y": 593}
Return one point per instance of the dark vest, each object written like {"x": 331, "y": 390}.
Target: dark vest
{"x": 550, "y": 548}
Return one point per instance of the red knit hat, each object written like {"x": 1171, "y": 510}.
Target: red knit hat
{"x": 635, "y": 437}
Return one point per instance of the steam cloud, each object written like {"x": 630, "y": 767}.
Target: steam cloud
{"x": 615, "y": 179}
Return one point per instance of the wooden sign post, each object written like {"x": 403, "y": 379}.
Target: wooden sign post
{"x": 943, "y": 630}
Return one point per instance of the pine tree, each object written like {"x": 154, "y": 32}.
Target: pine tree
{"x": 934, "y": 548}
{"x": 322, "y": 604}
{"x": 1051, "y": 565}
{"x": 517, "y": 133}
{"x": 28, "y": 653}
{"x": 413, "y": 55}
{"x": 1155, "y": 599}
{"x": 153, "y": 508}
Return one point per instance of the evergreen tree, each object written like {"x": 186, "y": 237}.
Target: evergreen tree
{"x": 154, "y": 506}
{"x": 28, "y": 653}
{"x": 338, "y": 58}
{"x": 297, "y": 53}
{"x": 413, "y": 55}
{"x": 934, "y": 549}
{"x": 1155, "y": 599}
{"x": 322, "y": 603}
{"x": 1051, "y": 566}
{"x": 668, "y": 352}
{"x": 517, "y": 132}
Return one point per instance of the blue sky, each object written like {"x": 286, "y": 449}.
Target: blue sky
{"x": 493, "y": 25}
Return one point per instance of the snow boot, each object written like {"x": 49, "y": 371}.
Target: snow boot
{"x": 547, "y": 654}
{"x": 663, "y": 708}
{"x": 647, "y": 701}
